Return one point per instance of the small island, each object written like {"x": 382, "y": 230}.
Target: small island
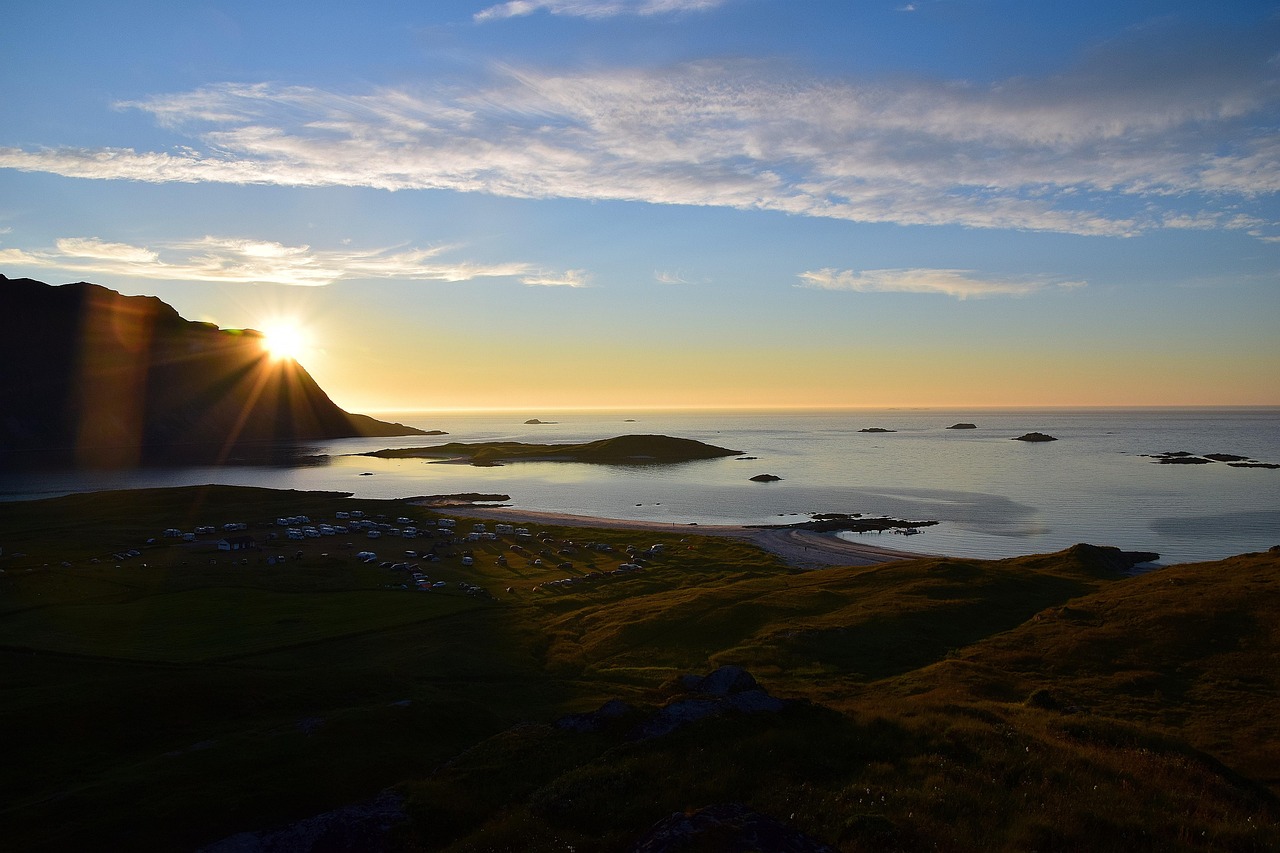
{"x": 876, "y": 429}
{"x": 535, "y": 421}
{"x": 963, "y": 426}
{"x": 1182, "y": 457}
{"x": 622, "y": 450}
{"x": 462, "y": 499}
{"x": 853, "y": 522}
{"x": 765, "y": 478}
{"x": 1035, "y": 436}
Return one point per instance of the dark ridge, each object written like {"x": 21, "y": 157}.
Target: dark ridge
{"x": 96, "y": 379}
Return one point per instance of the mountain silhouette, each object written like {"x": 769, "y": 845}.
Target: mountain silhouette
{"x": 92, "y": 378}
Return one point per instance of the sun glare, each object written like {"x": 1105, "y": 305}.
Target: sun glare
{"x": 285, "y": 341}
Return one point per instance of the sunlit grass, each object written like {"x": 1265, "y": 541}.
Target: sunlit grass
{"x": 1033, "y": 703}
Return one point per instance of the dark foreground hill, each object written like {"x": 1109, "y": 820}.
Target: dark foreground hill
{"x": 95, "y": 378}
{"x": 296, "y": 698}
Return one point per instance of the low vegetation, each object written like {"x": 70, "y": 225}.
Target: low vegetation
{"x": 170, "y": 698}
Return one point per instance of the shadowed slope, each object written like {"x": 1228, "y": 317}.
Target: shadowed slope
{"x": 99, "y": 379}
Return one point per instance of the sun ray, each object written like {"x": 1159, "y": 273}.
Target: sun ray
{"x": 285, "y": 340}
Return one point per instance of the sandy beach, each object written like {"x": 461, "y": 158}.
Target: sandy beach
{"x": 802, "y": 549}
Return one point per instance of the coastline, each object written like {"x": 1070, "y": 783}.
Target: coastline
{"x": 801, "y": 549}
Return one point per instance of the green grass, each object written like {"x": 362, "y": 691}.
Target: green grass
{"x": 1042, "y": 702}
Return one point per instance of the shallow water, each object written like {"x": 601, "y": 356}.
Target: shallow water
{"x": 993, "y": 496}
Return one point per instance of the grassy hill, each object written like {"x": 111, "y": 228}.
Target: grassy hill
{"x": 168, "y": 699}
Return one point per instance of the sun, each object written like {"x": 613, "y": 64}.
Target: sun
{"x": 285, "y": 341}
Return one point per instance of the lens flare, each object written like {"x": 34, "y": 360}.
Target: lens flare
{"x": 285, "y": 341}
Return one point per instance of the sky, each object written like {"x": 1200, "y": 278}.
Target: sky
{"x": 549, "y": 204}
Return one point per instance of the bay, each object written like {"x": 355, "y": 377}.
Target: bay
{"x": 993, "y": 496}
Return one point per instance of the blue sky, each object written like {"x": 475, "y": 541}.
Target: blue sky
{"x": 673, "y": 202}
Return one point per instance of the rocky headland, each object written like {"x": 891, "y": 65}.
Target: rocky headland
{"x": 93, "y": 378}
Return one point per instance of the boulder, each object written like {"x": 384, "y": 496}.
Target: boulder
{"x": 594, "y": 721}
{"x": 726, "y": 681}
{"x": 724, "y": 690}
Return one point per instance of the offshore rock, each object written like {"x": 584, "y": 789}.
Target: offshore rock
{"x": 1035, "y": 436}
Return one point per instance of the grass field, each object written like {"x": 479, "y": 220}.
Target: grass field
{"x": 169, "y": 699}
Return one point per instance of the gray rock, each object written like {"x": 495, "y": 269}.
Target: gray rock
{"x": 594, "y": 721}
{"x": 725, "y": 681}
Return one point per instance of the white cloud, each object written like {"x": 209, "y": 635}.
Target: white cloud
{"x": 1114, "y": 147}
{"x": 594, "y": 8}
{"x": 568, "y": 278}
{"x": 251, "y": 261}
{"x": 962, "y": 284}
{"x": 665, "y": 277}
{"x": 95, "y": 249}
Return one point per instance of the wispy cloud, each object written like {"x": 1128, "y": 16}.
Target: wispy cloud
{"x": 665, "y": 277}
{"x": 1132, "y": 140}
{"x": 255, "y": 261}
{"x": 594, "y": 8}
{"x": 961, "y": 284}
{"x": 568, "y": 278}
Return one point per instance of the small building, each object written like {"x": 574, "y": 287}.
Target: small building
{"x": 236, "y": 543}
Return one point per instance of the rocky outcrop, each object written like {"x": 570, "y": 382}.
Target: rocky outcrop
{"x": 963, "y": 426}
{"x": 765, "y": 478}
{"x": 726, "y": 828}
{"x": 597, "y": 720}
{"x": 876, "y": 429}
{"x": 727, "y": 689}
{"x": 1035, "y": 436}
{"x": 1182, "y": 457}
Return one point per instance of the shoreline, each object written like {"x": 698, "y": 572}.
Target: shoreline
{"x": 801, "y": 549}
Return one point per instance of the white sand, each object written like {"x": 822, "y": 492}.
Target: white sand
{"x": 804, "y": 549}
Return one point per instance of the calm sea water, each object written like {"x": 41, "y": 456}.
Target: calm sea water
{"x": 993, "y": 496}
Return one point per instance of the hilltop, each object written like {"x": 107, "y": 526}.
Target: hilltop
{"x": 525, "y": 691}
{"x": 98, "y": 379}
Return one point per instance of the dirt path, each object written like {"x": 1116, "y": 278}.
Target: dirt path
{"x": 802, "y": 549}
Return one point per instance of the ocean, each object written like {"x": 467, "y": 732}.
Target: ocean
{"x": 992, "y": 496}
